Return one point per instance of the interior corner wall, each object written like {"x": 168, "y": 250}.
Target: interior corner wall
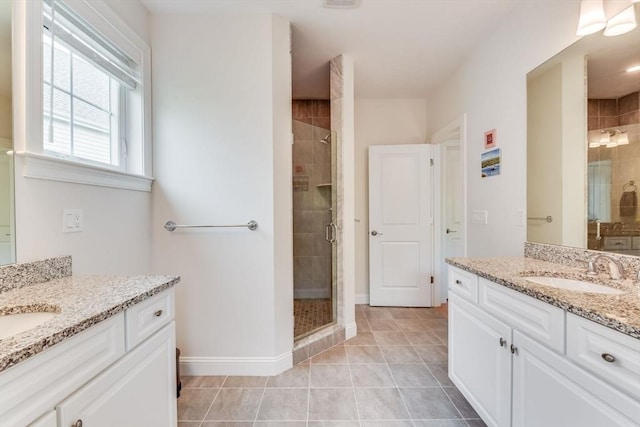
{"x": 491, "y": 88}
{"x": 115, "y": 239}
{"x": 379, "y": 122}
{"x": 217, "y": 143}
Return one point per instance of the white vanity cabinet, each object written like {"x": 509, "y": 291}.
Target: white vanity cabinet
{"x": 508, "y": 357}
{"x": 120, "y": 372}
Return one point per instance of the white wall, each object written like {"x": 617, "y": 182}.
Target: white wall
{"x": 222, "y": 143}
{"x": 491, "y": 88}
{"x": 379, "y": 122}
{"x": 115, "y": 239}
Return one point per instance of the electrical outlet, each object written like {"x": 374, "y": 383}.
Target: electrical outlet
{"x": 72, "y": 220}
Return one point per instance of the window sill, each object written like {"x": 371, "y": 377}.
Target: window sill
{"x": 39, "y": 166}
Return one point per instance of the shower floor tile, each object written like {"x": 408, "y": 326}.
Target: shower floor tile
{"x": 310, "y": 314}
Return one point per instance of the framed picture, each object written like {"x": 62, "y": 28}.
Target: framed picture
{"x": 490, "y": 163}
{"x": 490, "y": 139}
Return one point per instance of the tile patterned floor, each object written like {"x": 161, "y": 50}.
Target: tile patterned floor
{"x": 310, "y": 314}
{"x": 393, "y": 374}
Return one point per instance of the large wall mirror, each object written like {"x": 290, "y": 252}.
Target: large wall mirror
{"x": 7, "y": 229}
{"x": 583, "y": 146}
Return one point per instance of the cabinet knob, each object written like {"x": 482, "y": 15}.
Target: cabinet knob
{"x": 608, "y": 357}
{"x": 458, "y": 282}
{"x": 78, "y": 423}
{"x": 503, "y": 342}
{"x": 158, "y": 313}
{"x": 514, "y": 349}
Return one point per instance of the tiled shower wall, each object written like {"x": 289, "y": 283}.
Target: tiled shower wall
{"x": 311, "y": 199}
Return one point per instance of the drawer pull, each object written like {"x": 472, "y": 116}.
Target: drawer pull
{"x": 458, "y": 282}
{"x": 503, "y": 342}
{"x": 158, "y": 313}
{"x": 514, "y": 349}
{"x": 608, "y": 357}
{"x": 77, "y": 424}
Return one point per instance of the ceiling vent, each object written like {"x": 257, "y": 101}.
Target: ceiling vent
{"x": 341, "y": 4}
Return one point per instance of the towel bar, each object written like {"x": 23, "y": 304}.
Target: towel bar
{"x": 547, "y": 218}
{"x": 171, "y": 226}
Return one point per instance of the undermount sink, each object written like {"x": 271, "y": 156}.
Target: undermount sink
{"x": 13, "y": 324}
{"x": 573, "y": 285}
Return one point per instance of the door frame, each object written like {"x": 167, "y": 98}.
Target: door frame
{"x": 457, "y": 129}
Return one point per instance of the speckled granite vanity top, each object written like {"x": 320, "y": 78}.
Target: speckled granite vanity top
{"x": 80, "y": 301}
{"x": 619, "y": 312}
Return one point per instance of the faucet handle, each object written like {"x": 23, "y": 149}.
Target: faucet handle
{"x": 591, "y": 269}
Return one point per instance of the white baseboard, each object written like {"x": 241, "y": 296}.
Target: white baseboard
{"x": 350, "y": 330}
{"x": 311, "y": 293}
{"x": 362, "y": 298}
{"x": 253, "y": 366}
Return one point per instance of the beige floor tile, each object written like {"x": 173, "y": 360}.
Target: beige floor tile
{"x": 441, "y": 372}
{"x": 459, "y": 401}
{"x": 440, "y": 423}
{"x": 403, "y": 313}
{"x": 400, "y": 354}
{"x": 333, "y": 424}
{"x": 390, "y": 338}
{"x": 364, "y": 354}
{"x": 227, "y": 424}
{"x": 363, "y": 326}
{"x": 436, "y": 324}
{"x": 235, "y": 404}
{"x": 371, "y": 375}
{"x": 298, "y": 376}
{"x": 289, "y": 404}
{"x": 412, "y": 375}
{"x": 193, "y": 404}
{"x": 379, "y": 315}
{"x": 428, "y": 403}
{"x": 432, "y": 353}
{"x": 422, "y": 338}
{"x": 245, "y": 382}
{"x": 330, "y": 376}
{"x": 332, "y": 404}
{"x": 363, "y": 338}
{"x": 476, "y": 423}
{"x": 380, "y": 404}
{"x": 411, "y": 324}
{"x": 386, "y": 423}
{"x": 334, "y": 355}
{"x": 203, "y": 382}
{"x": 383, "y": 325}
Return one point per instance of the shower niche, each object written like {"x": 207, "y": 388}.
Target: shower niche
{"x": 314, "y": 210}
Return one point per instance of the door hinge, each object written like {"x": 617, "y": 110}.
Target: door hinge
{"x": 431, "y": 162}
{"x": 431, "y": 280}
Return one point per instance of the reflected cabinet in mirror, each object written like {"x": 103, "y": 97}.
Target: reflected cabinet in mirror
{"x": 7, "y": 233}
{"x": 583, "y": 146}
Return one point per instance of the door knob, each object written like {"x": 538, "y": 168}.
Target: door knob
{"x": 375, "y": 233}
{"x": 450, "y": 231}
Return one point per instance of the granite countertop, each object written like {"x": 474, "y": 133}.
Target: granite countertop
{"x": 619, "y": 312}
{"x": 81, "y": 301}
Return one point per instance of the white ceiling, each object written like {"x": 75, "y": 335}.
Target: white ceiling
{"x": 401, "y": 48}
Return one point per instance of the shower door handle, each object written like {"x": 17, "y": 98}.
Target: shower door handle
{"x": 330, "y": 232}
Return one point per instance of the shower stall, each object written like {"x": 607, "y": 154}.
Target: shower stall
{"x": 314, "y": 211}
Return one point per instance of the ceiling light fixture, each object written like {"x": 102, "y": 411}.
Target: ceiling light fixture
{"x": 593, "y": 19}
{"x": 634, "y": 68}
{"x": 622, "y": 23}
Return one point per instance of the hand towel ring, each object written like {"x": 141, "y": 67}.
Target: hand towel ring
{"x": 629, "y": 186}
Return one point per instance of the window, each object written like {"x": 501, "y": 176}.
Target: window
{"x": 88, "y": 83}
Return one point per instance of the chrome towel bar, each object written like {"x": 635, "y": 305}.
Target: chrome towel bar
{"x": 547, "y": 218}
{"x": 171, "y": 225}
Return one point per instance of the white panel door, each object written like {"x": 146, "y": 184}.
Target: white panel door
{"x": 400, "y": 225}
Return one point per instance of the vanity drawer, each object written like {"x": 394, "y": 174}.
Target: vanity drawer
{"x": 143, "y": 319}
{"x": 464, "y": 284}
{"x": 635, "y": 242}
{"x": 539, "y": 320}
{"x": 619, "y": 243}
{"x": 611, "y": 355}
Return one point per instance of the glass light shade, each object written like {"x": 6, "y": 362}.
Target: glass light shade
{"x": 622, "y": 23}
{"x": 592, "y": 18}
{"x": 594, "y": 144}
{"x": 605, "y": 138}
{"x": 612, "y": 144}
{"x": 623, "y": 138}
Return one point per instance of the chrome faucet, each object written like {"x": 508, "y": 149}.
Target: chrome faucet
{"x": 615, "y": 267}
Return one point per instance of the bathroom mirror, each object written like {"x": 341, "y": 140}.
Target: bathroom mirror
{"x": 583, "y": 146}
{"x": 7, "y": 233}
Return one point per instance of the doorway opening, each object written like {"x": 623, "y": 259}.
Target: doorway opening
{"x": 314, "y": 217}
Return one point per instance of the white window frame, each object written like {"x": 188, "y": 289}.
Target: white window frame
{"x": 28, "y": 96}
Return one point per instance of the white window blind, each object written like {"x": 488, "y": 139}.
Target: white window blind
{"x": 84, "y": 82}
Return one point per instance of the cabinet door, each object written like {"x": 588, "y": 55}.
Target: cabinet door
{"x": 47, "y": 420}
{"x": 479, "y": 360}
{"x": 138, "y": 390}
{"x": 550, "y": 391}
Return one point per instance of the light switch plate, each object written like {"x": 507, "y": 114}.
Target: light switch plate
{"x": 479, "y": 217}
{"x": 72, "y": 220}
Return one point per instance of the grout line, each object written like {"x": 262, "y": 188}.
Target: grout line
{"x": 212, "y": 400}
{"x": 353, "y": 390}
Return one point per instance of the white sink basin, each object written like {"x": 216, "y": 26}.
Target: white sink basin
{"x": 13, "y": 324}
{"x": 573, "y": 285}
